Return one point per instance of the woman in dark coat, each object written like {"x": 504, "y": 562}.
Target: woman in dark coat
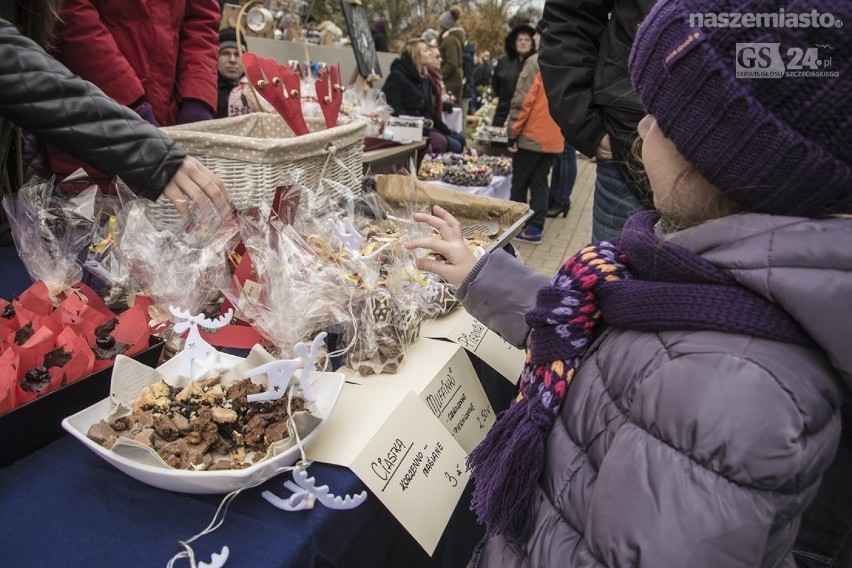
{"x": 518, "y": 45}
{"x": 408, "y": 91}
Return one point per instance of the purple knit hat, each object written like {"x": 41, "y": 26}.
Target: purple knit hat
{"x": 773, "y": 145}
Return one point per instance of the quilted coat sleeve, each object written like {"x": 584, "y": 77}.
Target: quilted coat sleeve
{"x": 499, "y": 294}
{"x": 198, "y": 56}
{"x": 86, "y": 40}
{"x": 41, "y": 96}
{"x": 715, "y": 463}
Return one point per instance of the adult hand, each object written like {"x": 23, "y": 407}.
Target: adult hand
{"x": 457, "y": 260}
{"x": 604, "y": 150}
{"x": 194, "y": 182}
{"x": 512, "y": 148}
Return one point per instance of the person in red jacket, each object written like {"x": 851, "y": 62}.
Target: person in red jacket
{"x": 162, "y": 53}
{"x": 158, "y": 57}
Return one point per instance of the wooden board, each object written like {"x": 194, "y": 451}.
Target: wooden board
{"x": 362, "y": 40}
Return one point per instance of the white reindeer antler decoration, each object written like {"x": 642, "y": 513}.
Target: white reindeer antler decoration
{"x": 352, "y": 241}
{"x": 195, "y": 347}
{"x": 306, "y": 492}
{"x": 217, "y": 560}
{"x": 279, "y": 373}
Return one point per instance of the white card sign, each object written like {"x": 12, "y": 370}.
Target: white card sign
{"x": 380, "y": 421}
{"x": 456, "y": 398}
{"x": 462, "y": 328}
{"x": 416, "y": 469}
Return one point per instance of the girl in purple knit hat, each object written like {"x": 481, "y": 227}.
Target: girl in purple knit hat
{"x": 682, "y": 395}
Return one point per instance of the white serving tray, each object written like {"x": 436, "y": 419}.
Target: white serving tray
{"x": 327, "y": 387}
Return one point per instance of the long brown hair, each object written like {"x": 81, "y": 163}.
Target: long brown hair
{"x": 37, "y": 19}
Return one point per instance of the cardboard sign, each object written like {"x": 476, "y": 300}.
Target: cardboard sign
{"x": 416, "y": 470}
{"x": 456, "y": 398}
{"x": 462, "y": 328}
{"x": 435, "y": 396}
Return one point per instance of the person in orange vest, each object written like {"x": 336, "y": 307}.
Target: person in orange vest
{"x": 534, "y": 141}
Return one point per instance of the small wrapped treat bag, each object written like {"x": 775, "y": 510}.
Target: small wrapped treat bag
{"x": 371, "y": 107}
{"x": 184, "y": 266}
{"x": 50, "y": 230}
{"x": 294, "y": 295}
{"x": 385, "y": 289}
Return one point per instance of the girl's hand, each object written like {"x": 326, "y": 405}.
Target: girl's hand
{"x": 457, "y": 259}
{"x": 193, "y": 181}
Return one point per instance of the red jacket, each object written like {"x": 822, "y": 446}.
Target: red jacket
{"x": 164, "y": 50}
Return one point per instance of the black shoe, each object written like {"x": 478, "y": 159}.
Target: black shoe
{"x": 556, "y": 210}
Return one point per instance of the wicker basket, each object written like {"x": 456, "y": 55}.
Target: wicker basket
{"x": 255, "y": 153}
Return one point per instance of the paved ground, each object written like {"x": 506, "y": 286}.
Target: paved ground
{"x": 564, "y": 236}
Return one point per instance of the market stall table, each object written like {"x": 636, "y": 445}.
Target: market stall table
{"x": 391, "y": 155}
{"x": 64, "y": 506}
{"x": 500, "y": 187}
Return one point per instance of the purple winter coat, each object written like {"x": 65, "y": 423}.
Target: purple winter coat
{"x": 685, "y": 448}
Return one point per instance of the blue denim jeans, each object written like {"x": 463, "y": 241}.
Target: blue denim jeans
{"x": 614, "y": 201}
{"x": 563, "y": 176}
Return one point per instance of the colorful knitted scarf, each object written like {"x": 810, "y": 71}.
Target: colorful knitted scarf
{"x": 637, "y": 283}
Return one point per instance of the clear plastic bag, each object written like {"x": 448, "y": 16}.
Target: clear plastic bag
{"x": 296, "y": 294}
{"x": 183, "y": 267}
{"x": 371, "y": 107}
{"x": 50, "y": 228}
{"x": 363, "y": 238}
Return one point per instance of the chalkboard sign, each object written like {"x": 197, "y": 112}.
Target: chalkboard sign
{"x": 362, "y": 39}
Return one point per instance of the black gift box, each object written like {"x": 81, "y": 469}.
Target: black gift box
{"x": 38, "y": 422}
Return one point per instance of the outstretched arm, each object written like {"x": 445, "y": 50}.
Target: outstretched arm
{"x": 498, "y": 289}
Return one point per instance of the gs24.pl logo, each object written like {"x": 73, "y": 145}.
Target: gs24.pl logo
{"x": 769, "y": 60}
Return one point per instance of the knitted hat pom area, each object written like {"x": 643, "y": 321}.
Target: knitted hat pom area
{"x": 447, "y": 20}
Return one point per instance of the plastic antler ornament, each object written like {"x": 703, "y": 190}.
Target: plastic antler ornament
{"x": 195, "y": 347}
{"x": 306, "y": 493}
{"x": 279, "y": 373}
{"x": 217, "y": 560}
{"x": 351, "y": 240}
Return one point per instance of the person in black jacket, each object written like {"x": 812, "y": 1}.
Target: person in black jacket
{"x": 469, "y": 103}
{"x": 230, "y": 67}
{"x": 379, "y": 31}
{"x": 584, "y": 67}
{"x": 86, "y": 124}
{"x": 407, "y": 91}
{"x": 518, "y": 45}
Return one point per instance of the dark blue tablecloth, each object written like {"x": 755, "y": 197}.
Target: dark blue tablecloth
{"x": 13, "y": 276}
{"x": 64, "y": 506}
